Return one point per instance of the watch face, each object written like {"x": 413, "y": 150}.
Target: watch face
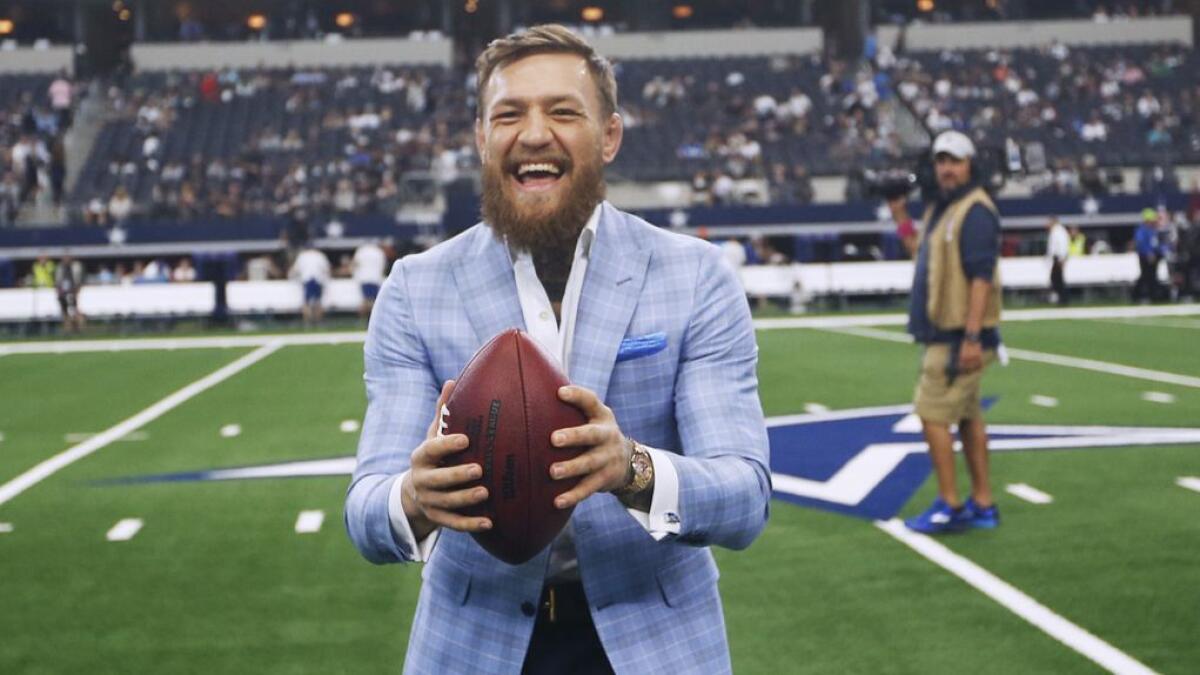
{"x": 641, "y": 463}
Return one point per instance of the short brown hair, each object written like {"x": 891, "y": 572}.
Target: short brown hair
{"x": 550, "y": 38}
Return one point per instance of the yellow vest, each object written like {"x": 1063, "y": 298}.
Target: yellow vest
{"x": 43, "y": 274}
{"x": 949, "y": 288}
{"x": 1078, "y": 246}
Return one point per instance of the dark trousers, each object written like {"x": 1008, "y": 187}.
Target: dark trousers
{"x": 1057, "y": 283}
{"x": 1147, "y": 284}
{"x": 564, "y": 637}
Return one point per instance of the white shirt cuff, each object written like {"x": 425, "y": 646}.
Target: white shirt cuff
{"x": 663, "y": 519}
{"x": 421, "y": 550}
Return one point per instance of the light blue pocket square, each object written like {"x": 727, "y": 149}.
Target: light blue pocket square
{"x": 642, "y": 345}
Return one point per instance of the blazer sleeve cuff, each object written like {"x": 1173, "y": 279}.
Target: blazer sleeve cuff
{"x": 663, "y": 519}
{"x": 420, "y": 550}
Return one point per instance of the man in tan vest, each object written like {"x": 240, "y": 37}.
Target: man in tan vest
{"x": 955, "y": 314}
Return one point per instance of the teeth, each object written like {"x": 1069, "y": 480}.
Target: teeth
{"x": 537, "y": 166}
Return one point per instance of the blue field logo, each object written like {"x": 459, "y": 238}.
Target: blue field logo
{"x": 864, "y": 462}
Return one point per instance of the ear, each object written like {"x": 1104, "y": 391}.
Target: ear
{"x": 479, "y": 144}
{"x": 614, "y": 131}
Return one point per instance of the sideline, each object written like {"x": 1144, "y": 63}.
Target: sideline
{"x": 1011, "y": 598}
{"x": 67, "y": 457}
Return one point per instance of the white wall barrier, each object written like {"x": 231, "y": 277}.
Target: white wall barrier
{"x": 177, "y": 299}
{"x": 894, "y": 277}
{"x": 284, "y": 297}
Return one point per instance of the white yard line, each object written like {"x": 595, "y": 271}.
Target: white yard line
{"x": 215, "y": 342}
{"x": 1106, "y": 367}
{"x": 124, "y": 530}
{"x": 1100, "y": 652}
{"x": 5, "y": 528}
{"x": 1044, "y": 357}
{"x": 65, "y": 458}
{"x": 1188, "y": 483}
{"x": 1053, "y": 314}
{"x": 309, "y": 522}
{"x": 81, "y": 436}
{"x": 1158, "y": 397}
{"x": 1192, "y": 324}
{"x": 1028, "y": 493}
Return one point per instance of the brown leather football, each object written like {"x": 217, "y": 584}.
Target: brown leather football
{"x": 506, "y": 402}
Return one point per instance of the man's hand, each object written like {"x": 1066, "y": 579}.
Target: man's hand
{"x": 604, "y": 466}
{"x": 970, "y": 356}
{"x": 429, "y": 496}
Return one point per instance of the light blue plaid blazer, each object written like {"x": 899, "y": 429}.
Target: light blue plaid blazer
{"x": 655, "y": 603}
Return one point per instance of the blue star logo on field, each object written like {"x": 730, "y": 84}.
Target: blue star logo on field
{"x": 864, "y": 462}
{"x": 868, "y": 462}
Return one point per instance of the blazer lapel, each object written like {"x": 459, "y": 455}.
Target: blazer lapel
{"x": 616, "y": 272}
{"x": 484, "y": 279}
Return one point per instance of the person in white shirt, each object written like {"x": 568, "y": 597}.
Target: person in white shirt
{"x": 1058, "y": 247}
{"x": 313, "y": 271}
{"x": 370, "y": 266}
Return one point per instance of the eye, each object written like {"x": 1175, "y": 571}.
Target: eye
{"x": 564, "y": 112}
{"x": 505, "y": 115}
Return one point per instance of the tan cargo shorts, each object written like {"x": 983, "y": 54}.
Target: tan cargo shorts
{"x": 937, "y": 399}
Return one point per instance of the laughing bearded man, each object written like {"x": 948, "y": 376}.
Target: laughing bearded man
{"x": 653, "y": 331}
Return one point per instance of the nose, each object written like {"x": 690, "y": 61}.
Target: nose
{"x": 535, "y": 133}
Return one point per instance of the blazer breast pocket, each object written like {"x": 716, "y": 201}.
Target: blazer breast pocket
{"x": 640, "y": 346}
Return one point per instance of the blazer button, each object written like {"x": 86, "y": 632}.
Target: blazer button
{"x": 527, "y": 608}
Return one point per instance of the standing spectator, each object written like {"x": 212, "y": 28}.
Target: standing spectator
{"x": 313, "y": 271}
{"x": 10, "y": 198}
{"x": 61, "y": 93}
{"x": 58, "y": 169}
{"x": 1058, "y": 248}
{"x": 1151, "y": 250}
{"x": 906, "y": 229}
{"x": 43, "y": 272}
{"x": 68, "y": 279}
{"x": 1079, "y": 243}
{"x": 803, "y": 185}
{"x": 370, "y": 263}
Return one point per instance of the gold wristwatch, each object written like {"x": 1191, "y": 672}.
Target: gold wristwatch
{"x": 641, "y": 470}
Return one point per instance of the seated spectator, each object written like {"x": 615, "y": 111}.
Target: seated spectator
{"x": 120, "y": 206}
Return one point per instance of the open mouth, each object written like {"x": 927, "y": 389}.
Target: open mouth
{"x": 538, "y": 176}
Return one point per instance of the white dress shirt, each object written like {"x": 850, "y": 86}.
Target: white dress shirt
{"x": 557, "y": 338}
{"x": 1058, "y": 244}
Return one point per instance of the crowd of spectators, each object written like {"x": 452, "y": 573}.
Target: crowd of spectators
{"x": 1121, "y": 105}
{"x": 229, "y": 144}
{"x": 35, "y": 112}
{"x": 334, "y": 142}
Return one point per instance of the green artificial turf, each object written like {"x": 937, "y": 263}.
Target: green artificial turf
{"x": 218, "y": 581}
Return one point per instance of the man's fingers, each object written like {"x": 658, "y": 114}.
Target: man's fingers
{"x": 458, "y": 522}
{"x": 453, "y": 501}
{"x": 435, "y": 449}
{"x": 586, "y": 488}
{"x": 579, "y": 466}
{"x": 448, "y": 477}
{"x": 588, "y": 435}
{"x": 583, "y": 399}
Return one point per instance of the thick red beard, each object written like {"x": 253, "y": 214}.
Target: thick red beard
{"x": 544, "y": 233}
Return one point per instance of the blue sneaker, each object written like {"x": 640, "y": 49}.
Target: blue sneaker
{"x": 976, "y": 516}
{"x": 939, "y": 518}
